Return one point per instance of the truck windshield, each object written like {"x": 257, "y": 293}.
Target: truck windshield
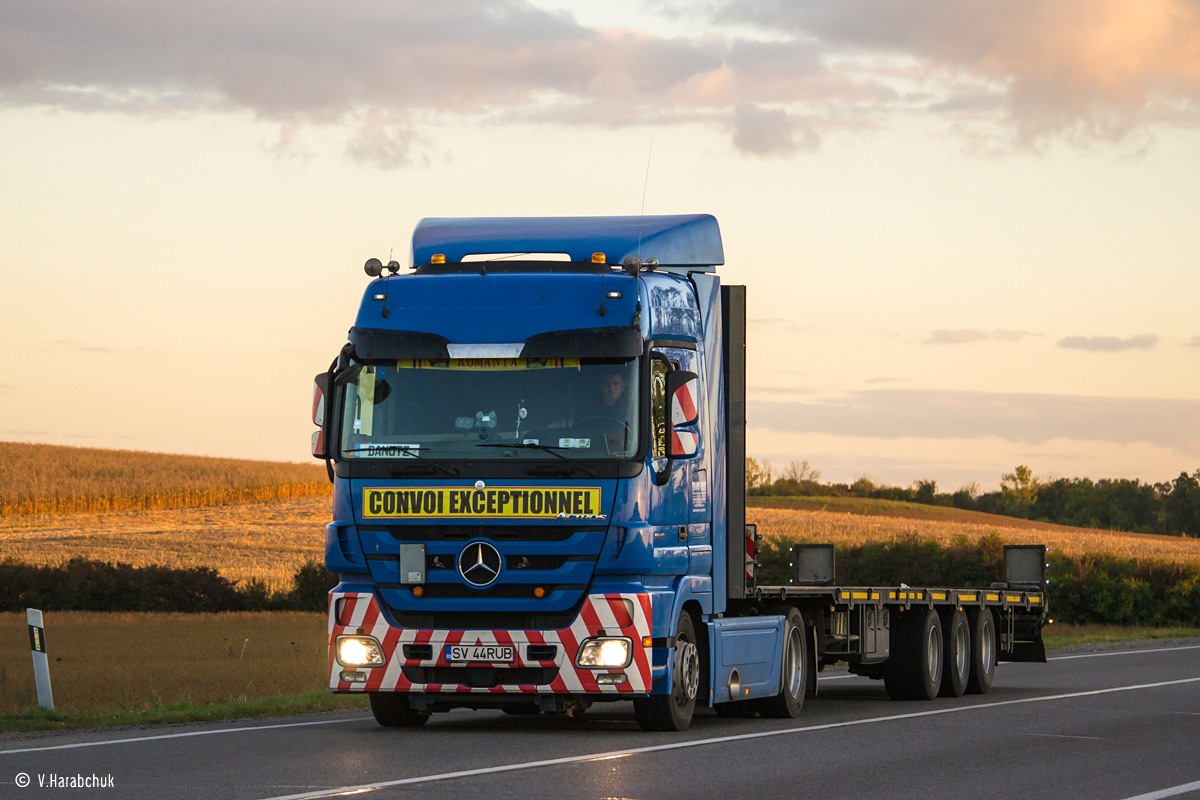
{"x": 585, "y": 408}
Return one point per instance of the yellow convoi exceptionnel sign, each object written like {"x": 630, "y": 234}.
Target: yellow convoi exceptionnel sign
{"x": 467, "y": 502}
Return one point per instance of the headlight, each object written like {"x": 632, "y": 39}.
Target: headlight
{"x": 359, "y": 651}
{"x": 601, "y": 653}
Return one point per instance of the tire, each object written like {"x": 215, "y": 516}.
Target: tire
{"x": 742, "y": 709}
{"x": 983, "y": 651}
{"x": 391, "y": 710}
{"x": 914, "y": 669}
{"x": 956, "y": 652}
{"x": 673, "y": 712}
{"x": 794, "y": 672}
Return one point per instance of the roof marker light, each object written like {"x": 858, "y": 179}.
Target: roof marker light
{"x": 599, "y": 258}
{"x": 437, "y": 258}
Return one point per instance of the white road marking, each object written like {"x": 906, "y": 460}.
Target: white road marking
{"x": 469, "y": 773}
{"x": 1183, "y": 788}
{"x": 1126, "y": 652}
{"x": 1066, "y": 736}
{"x": 182, "y": 735}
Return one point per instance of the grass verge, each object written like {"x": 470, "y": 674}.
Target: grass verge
{"x": 1061, "y": 635}
{"x": 37, "y": 719}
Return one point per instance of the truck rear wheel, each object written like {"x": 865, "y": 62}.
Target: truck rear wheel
{"x": 673, "y": 712}
{"x": 914, "y": 669}
{"x": 794, "y": 675}
{"x": 956, "y": 654}
{"x": 983, "y": 651}
{"x": 392, "y": 710}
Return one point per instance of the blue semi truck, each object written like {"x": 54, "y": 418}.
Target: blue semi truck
{"x": 536, "y": 437}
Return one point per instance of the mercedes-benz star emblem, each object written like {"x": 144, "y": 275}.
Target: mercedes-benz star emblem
{"x": 479, "y": 563}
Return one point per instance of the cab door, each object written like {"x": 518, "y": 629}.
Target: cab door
{"x": 681, "y": 509}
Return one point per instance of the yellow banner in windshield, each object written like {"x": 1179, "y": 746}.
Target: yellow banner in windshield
{"x": 493, "y": 364}
{"x": 527, "y": 502}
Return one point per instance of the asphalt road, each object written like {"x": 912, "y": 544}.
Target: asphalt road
{"x": 1108, "y": 725}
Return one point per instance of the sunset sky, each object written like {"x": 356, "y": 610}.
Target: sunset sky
{"x": 970, "y": 230}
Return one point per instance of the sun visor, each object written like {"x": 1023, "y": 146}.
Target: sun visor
{"x": 625, "y": 342}
{"x": 375, "y": 344}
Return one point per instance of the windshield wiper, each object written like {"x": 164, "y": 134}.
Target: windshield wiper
{"x": 412, "y": 453}
{"x": 548, "y": 448}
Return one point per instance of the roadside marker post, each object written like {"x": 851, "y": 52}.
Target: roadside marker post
{"x": 41, "y": 663}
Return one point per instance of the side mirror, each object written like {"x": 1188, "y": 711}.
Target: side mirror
{"x": 319, "y": 413}
{"x": 683, "y": 389}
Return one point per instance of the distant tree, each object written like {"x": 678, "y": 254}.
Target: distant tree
{"x": 801, "y": 471}
{"x": 863, "y": 487}
{"x": 965, "y": 496}
{"x": 926, "y": 492}
{"x": 1018, "y": 491}
{"x": 757, "y": 475}
{"x": 1181, "y": 507}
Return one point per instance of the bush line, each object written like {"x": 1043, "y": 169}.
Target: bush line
{"x": 84, "y": 585}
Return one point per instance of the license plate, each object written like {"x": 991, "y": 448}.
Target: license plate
{"x": 480, "y": 653}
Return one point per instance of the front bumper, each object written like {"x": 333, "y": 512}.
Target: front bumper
{"x": 615, "y": 614}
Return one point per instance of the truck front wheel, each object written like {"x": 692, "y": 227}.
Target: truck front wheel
{"x": 794, "y": 673}
{"x": 392, "y": 710}
{"x": 673, "y": 712}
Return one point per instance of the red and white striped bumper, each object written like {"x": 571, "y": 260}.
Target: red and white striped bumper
{"x": 616, "y": 614}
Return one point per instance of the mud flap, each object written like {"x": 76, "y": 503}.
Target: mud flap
{"x": 1021, "y": 638}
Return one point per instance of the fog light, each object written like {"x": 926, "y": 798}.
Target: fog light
{"x": 607, "y": 677}
{"x": 359, "y": 651}
{"x": 354, "y": 676}
{"x": 606, "y": 652}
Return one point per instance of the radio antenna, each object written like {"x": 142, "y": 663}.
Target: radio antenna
{"x": 645, "y": 185}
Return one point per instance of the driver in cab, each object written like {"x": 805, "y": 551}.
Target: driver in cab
{"x": 608, "y": 411}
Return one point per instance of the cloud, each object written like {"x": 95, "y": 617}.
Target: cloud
{"x": 771, "y": 132}
{"x": 1031, "y": 418}
{"x": 882, "y": 380}
{"x": 1080, "y": 68}
{"x": 1195, "y": 342}
{"x": 780, "y": 390}
{"x": 1108, "y": 344}
{"x": 7, "y": 388}
{"x": 1093, "y": 69}
{"x": 967, "y": 335}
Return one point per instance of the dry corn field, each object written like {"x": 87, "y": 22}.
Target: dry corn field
{"x": 51, "y": 479}
{"x": 856, "y": 529}
{"x": 268, "y": 540}
{"x": 104, "y": 662}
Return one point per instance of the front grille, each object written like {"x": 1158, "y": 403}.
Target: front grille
{"x": 508, "y": 591}
{"x": 498, "y": 533}
{"x": 536, "y": 562}
{"x": 512, "y": 561}
{"x": 482, "y": 677}
{"x": 484, "y": 620}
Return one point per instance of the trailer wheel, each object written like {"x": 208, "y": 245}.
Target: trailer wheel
{"x": 914, "y": 669}
{"x": 983, "y": 651}
{"x": 956, "y": 654}
{"x": 794, "y": 673}
{"x": 391, "y": 710}
{"x": 673, "y": 712}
